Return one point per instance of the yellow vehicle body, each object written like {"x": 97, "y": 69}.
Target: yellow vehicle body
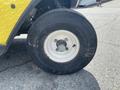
{"x": 10, "y": 12}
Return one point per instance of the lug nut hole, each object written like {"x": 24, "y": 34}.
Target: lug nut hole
{"x": 13, "y": 6}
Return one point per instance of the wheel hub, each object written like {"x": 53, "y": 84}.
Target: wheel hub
{"x": 61, "y": 46}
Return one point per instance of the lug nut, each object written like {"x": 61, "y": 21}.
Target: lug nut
{"x": 55, "y": 40}
{"x": 66, "y": 39}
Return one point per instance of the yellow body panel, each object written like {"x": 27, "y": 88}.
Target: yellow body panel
{"x": 10, "y": 12}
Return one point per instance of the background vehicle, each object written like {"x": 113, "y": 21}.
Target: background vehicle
{"x": 84, "y": 3}
{"x": 60, "y": 40}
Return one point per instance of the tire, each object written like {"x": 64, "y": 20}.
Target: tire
{"x": 61, "y": 23}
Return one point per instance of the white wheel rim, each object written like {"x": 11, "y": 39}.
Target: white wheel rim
{"x": 61, "y": 53}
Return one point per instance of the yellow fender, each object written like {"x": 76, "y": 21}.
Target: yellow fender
{"x": 12, "y": 16}
{"x": 10, "y": 12}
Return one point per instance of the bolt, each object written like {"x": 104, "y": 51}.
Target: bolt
{"x": 55, "y": 40}
{"x": 13, "y": 6}
{"x": 66, "y": 39}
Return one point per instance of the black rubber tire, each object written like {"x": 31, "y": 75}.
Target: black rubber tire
{"x": 63, "y": 19}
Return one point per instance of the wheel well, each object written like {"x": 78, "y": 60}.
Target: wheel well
{"x": 42, "y": 7}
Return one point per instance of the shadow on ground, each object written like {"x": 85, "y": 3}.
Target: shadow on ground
{"x": 17, "y": 73}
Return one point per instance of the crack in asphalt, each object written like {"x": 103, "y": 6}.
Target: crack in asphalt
{"x": 18, "y": 65}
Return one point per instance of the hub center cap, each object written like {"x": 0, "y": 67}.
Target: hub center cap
{"x": 61, "y": 46}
